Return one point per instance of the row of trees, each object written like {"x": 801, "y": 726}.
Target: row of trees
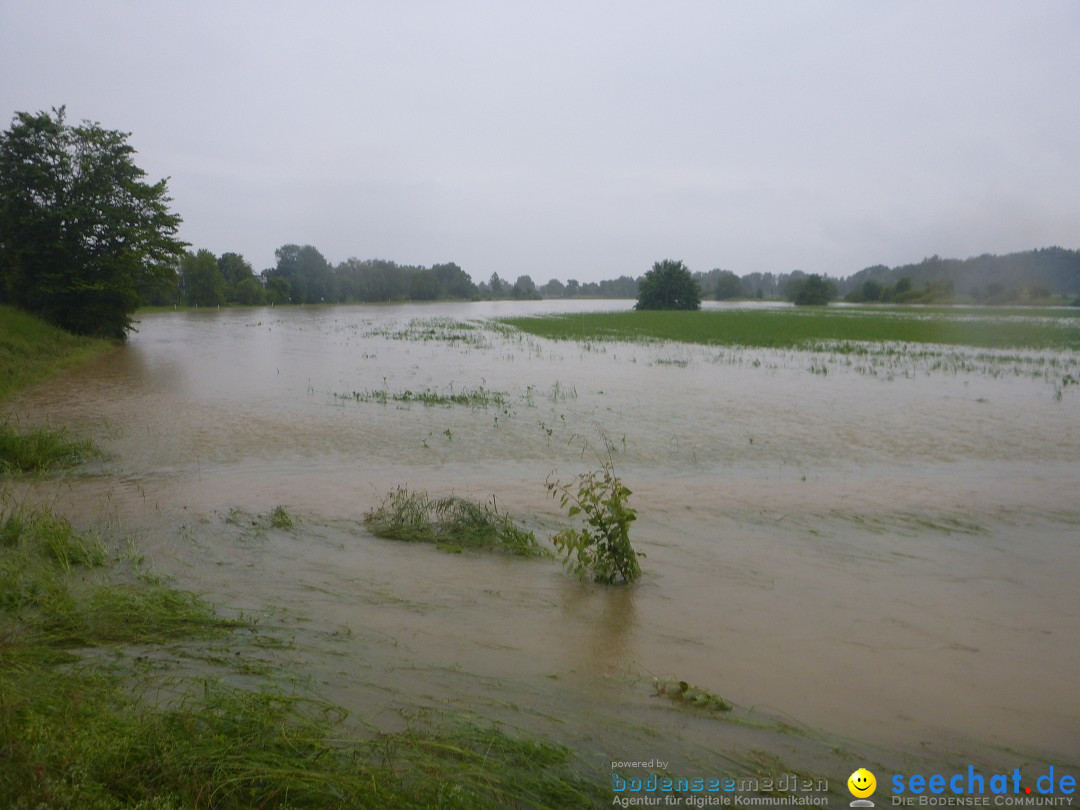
{"x": 303, "y": 275}
{"x": 670, "y": 285}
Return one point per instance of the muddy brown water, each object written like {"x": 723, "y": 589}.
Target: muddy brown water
{"x": 884, "y": 555}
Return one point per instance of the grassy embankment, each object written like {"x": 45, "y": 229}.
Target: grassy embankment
{"x": 838, "y": 329}
{"x": 32, "y": 350}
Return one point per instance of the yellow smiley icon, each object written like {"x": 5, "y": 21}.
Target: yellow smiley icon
{"x": 861, "y": 783}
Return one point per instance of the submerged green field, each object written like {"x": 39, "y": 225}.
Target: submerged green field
{"x": 1028, "y": 328}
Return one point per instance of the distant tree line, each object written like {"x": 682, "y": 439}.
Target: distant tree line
{"x": 1031, "y": 275}
{"x": 621, "y": 287}
{"x": 302, "y": 275}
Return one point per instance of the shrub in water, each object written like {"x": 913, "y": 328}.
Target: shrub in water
{"x": 601, "y": 547}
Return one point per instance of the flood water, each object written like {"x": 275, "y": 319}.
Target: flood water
{"x": 879, "y": 550}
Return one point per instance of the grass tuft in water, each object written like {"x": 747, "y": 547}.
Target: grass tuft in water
{"x": 687, "y": 694}
{"x": 280, "y": 518}
{"x": 41, "y": 450}
{"x": 478, "y": 397}
{"x": 453, "y": 523}
{"x": 31, "y": 537}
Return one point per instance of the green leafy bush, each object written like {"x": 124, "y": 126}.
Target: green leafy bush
{"x": 601, "y": 548}
{"x": 668, "y": 285}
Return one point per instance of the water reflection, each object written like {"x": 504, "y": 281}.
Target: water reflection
{"x": 597, "y": 627}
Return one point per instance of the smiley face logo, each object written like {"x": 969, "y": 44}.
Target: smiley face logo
{"x": 861, "y": 783}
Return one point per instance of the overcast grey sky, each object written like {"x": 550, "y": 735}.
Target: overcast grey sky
{"x": 582, "y": 139}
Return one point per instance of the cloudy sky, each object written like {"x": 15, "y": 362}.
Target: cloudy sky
{"x": 582, "y": 139}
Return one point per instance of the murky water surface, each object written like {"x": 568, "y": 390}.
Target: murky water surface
{"x": 882, "y": 548}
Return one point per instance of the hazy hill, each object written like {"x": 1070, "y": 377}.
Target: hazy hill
{"x": 1031, "y": 273}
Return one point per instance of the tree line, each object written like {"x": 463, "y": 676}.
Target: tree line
{"x": 302, "y": 275}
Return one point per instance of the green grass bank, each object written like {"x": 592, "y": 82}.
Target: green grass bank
{"x": 31, "y": 350}
{"x": 809, "y": 327}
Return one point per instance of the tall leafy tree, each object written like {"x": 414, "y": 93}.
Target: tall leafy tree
{"x": 424, "y": 286}
{"x": 240, "y": 283}
{"x": 728, "y": 286}
{"x": 525, "y": 287}
{"x": 204, "y": 284}
{"x": 813, "y": 290}
{"x": 668, "y": 285}
{"x": 307, "y": 272}
{"x": 81, "y": 231}
{"x": 454, "y": 281}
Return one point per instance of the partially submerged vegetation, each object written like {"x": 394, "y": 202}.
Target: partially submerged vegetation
{"x": 41, "y": 450}
{"x": 32, "y": 350}
{"x": 794, "y": 328}
{"x": 453, "y": 523}
{"x": 600, "y": 548}
{"x": 277, "y": 518}
{"x": 478, "y": 397}
{"x": 434, "y": 330}
{"x": 687, "y": 694}
{"x": 82, "y": 730}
